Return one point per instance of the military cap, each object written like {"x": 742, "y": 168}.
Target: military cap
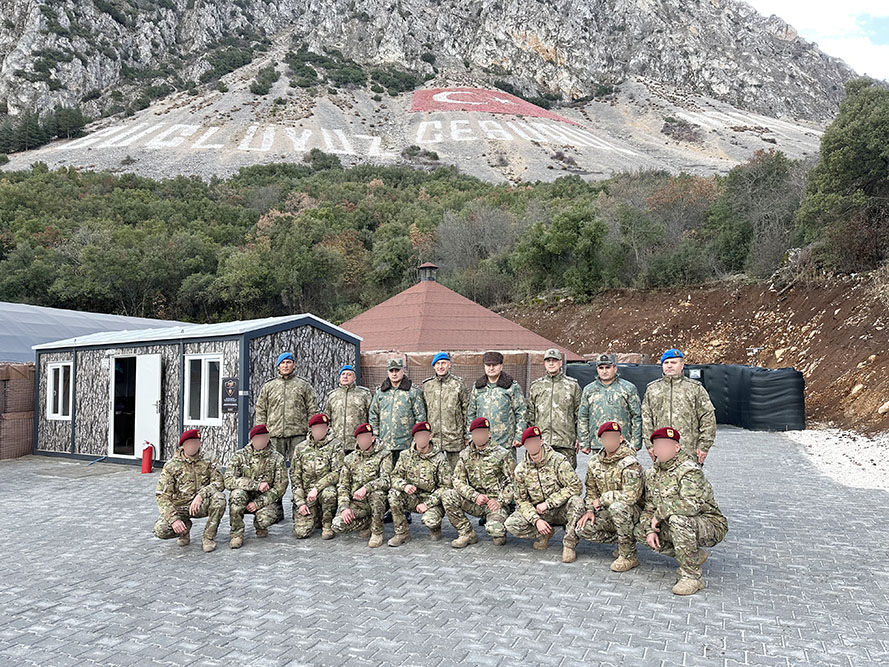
{"x": 320, "y": 418}
{"x": 608, "y": 426}
{"x": 665, "y": 432}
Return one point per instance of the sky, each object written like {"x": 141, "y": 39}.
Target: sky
{"x": 855, "y": 30}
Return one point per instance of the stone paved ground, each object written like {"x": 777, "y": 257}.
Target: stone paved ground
{"x": 802, "y": 579}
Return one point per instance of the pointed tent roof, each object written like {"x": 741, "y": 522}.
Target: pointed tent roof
{"x": 429, "y": 317}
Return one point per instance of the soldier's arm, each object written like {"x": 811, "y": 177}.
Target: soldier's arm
{"x": 531, "y": 408}
{"x": 373, "y": 413}
{"x": 397, "y": 480}
{"x": 571, "y": 485}
{"x": 575, "y": 407}
{"x": 583, "y": 420}
{"x": 691, "y": 496}
{"x": 332, "y": 477}
{"x": 592, "y": 490}
{"x": 635, "y": 406}
{"x": 520, "y": 410}
{"x": 344, "y": 489}
{"x": 443, "y": 480}
{"x": 326, "y": 407}
{"x": 234, "y": 479}
{"x": 463, "y": 400}
{"x": 296, "y": 482}
{"x": 647, "y": 418}
{"x": 277, "y": 487}
{"x": 216, "y": 483}
{"x": 523, "y": 499}
{"x": 631, "y": 487}
{"x": 507, "y": 492}
{"x": 164, "y": 492}
{"x": 311, "y": 400}
{"x": 262, "y": 406}
{"x": 418, "y": 403}
{"x": 461, "y": 482}
{"x": 648, "y": 509}
{"x": 384, "y": 481}
{"x": 707, "y": 421}
{"x": 471, "y": 410}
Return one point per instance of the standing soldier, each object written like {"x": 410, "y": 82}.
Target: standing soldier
{"x": 446, "y": 402}
{"x": 680, "y": 514}
{"x": 609, "y": 398}
{"x": 497, "y": 396}
{"x": 190, "y": 487}
{"x": 419, "y": 479}
{"x": 396, "y": 407}
{"x": 256, "y": 478}
{"x": 547, "y": 493}
{"x": 363, "y": 486}
{"x": 553, "y": 401}
{"x": 613, "y": 497}
{"x": 682, "y": 404}
{"x": 482, "y": 487}
{"x": 347, "y": 406}
{"x": 314, "y": 474}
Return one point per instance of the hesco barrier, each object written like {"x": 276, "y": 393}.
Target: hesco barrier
{"x": 759, "y": 399}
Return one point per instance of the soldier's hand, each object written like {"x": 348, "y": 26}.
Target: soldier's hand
{"x": 702, "y": 455}
{"x": 263, "y": 487}
{"x": 422, "y": 508}
{"x": 493, "y": 505}
{"x": 543, "y": 527}
{"x": 481, "y": 499}
{"x": 312, "y": 495}
{"x": 587, "y": 516}
{"x": 360, "y": 493}
{"x": 516, "y": 443}
{"x": 597, "y": 505}
{"x": 251, "y": 506}
{"x": 303, "y": 509}
{"x": 651, "y": 454}
{"x": 195, "y": 506}
{"x": 586, "y": 450}
{"x": 576, "y": 446}
{"x": 654, "y": 524}
{"x": 410, "y": 489}
{"x": 652, "y": 540}
{"x": 541, "y": 508}
{"x": 179, "y": 526}
{"x": 348, "y": 516}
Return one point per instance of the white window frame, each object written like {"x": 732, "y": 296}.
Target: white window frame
{"x": 203, "y": 420}
{"x": 54, "y": 384}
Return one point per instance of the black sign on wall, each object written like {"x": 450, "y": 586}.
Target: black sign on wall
{"x": 229, "y": 395}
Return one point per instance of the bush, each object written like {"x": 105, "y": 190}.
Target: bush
{"x": 264, "y": 80}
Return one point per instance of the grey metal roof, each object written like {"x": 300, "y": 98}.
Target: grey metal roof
{"x": 187, "y": 331}
{"x": 22, "y": 326}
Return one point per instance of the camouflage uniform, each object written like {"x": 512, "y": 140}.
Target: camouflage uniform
{"x": 488, "y": 471}
{"x": 431, "y": 474}
{"x": 284, "y": 406}
{"x": 347, "y": 408}
{"x": 617, "y": 402}
{"x": 616, "y": 481}
{"x": 180, "y": 481}
{"x": 372, "y": 469}
{"x": 446, "y": 402}
{"x": 678, "y": 494}
{"x": 553, "y": 401}
{"x": 315, "y": 464}
{"x": 552, "y": 481}
{"x": 393, "y": 413}
{"x": 246, "y": 470}
{"x": 682, "y": 404}
{"x": 504, "y": 406}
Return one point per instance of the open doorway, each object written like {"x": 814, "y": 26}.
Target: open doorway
{"x": 123, "y": 436}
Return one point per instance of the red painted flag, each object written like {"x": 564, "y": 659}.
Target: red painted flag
{"x": 478, "y": 99}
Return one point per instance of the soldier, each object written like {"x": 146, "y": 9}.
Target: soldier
{"x": 497, "y": 396}
{"x": 446, "y": 402}
{"x": 482, "y": 487}
{"x": 256, "y": 478}
{"x": 190, "y": 487}
{"x": 314, "y": 474}
{"x": 547, "y": 493}
{"x": 347, "y": 406}
{"x": 362, "y": 489}
{"x": 613, "y": 497}
{"x": 609, "y": 398}
{"x": 682, "y": 404}
{"x": 680, "y": 514}
{"x": 396, "y": 407}
{"x": 419, "y": 479}
{"x": 553, "y": 401}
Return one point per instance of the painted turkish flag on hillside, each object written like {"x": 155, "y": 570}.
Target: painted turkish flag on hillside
{"x": 479, "y": 99}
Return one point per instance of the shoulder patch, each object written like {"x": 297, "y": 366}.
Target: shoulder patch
{"x": 627, "y": 461}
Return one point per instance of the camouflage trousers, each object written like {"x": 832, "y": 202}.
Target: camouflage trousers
{"x": 456, "y": 507}
{"x": 616, "y": 522}
{"x": 401, "y": 502}
{"x": 566, "y": 515}
{"x": 285, "y": 445}
{"x": 368, "y": 514}
{"x": 263, "y": 517}
{"x": 453, "y": 457}
{"x": 213, "y": 508}
{"x": 569, "y": 453}
{"x": 682, "y": 536}
{"x": 324, "y": 505}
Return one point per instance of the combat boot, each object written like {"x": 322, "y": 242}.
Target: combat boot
{"x": 262, "y": 532}
{"x": 435, "y": 534}
{"x": 375, "y": 541}
{"x": 542, "y": 542}
{"x": 236, "y": 543}
{"x": 464, "y": 540}
{"x": 699, "y": 560}
{"x": 364, "y": 533}
{"x": 208, "y": 544}
{"x": 399, "y": 539}
{"x": 499, "y": 541}
{"x": 569, "y": 554}
{"x": 625, "y": 563}
{"x": 687, "y": 586}
{"x": 184, "y": 540}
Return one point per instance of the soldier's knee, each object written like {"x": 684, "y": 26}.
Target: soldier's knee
{"x": 338, "y": 525}
{"x": 450, "y": 498}
{"x": 238, "y": 497}
{"x": 217, "y": 501}
{"x": 303, "y": 530}
{"x": 163, "y": 530}
{"x": 328, "y": 493}
{"x": 394, "y": 497}
{"x": 515, "y": 522}
{"x": 681, "y": 522}
{"x": 378, "y": 496}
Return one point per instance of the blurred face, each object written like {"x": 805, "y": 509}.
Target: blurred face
{"x": 533, "y": 446}
{"x": 260, "y": 441}
{"x": 347, "y": 378}
{"x": 365, "y": 441}
{"x": 395, "y": 375}
{"x": 493, "y": 370}
{"x": 191, "y": 446}
{"x": 607, "y": 372}
{"x": 442, "y": 366}
{"x": 673, "y": 367}
{"x": 422, "y": 439}
{"x": 552, "y": 366}
{"x": 286, "y": 367}
{"x": 664, "y": 449}
{"x": 480, "y": 437}
{"x": 319, "y": 431}
{"x": 611, "y": 441}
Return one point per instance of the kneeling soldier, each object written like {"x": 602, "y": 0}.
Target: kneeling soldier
{"x": 314, "y": 473}
{"x": 364, "y": 482}
{"x": 256, "y": 478}
{"x": 680, "y": 514}
{"x": 547, "y": 493}
{"x": 482, "y": 487}
{"x": 190, "y": 487}
{"x": 419, "y": 479}
{"x": 613, "y": 496}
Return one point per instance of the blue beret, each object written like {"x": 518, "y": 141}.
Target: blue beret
{"x": 438, "y": 357}
{"x": 283, "y": 356}
{"x": 347, "y": 367}
{"x": 672, "y": 353}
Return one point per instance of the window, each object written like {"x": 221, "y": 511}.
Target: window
{"x": 59, "y": 391}
{"x": 203, "y": 390}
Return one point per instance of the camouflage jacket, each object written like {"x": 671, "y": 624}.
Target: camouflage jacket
{"x": 315, "y": 465}
{"x": 429, "y": 472}
{"x": 184, "y": 478}
{"x": 553, "y": 401}
{"x": 248, "y": 468}
{"x": 682, "y": 404}
{"x": 615, "y": 402}
{"x": 394, "y": 411}
{"x": 487, "y": 471}
{"x": 615, "y": 478}
{"x": 285, "y": 405}
{"x": 446, "y": 402}
{"x": 678, "y": 487}
{"x": 552, "y": 481}
{"x": 347, "y": 408}
{"x": 504, "y": 406}
{"x": 372, "y": 469}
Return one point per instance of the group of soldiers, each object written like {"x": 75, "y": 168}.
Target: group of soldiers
{"x": 441, "y": 450}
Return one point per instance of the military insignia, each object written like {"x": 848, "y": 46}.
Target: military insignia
{"x": 536, "y": 431}
{"x": 670, "y": 433}
{"x": 614, "y": 426}
{"x": 487, "y": 424}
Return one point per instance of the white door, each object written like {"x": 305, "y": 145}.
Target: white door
{"x": 148, "y": 403}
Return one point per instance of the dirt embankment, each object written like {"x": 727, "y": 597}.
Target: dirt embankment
{"x": 836, "y": 333}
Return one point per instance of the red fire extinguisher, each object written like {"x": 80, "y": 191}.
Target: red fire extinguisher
{"x": 147, "y": 457}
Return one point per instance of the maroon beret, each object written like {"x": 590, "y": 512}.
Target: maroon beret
{"x": 530, "y": 432}
{"x": 320, "y": 418}
{"x": 665, "y": 432}
{"x": 421, "y": 426}
{"x": 608, "y": 426}
{"x": 363, "y": 428}
{"x": 479, "y": 422}
{"x": 259, "y": 429}
{"x": 188, "y": 435}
